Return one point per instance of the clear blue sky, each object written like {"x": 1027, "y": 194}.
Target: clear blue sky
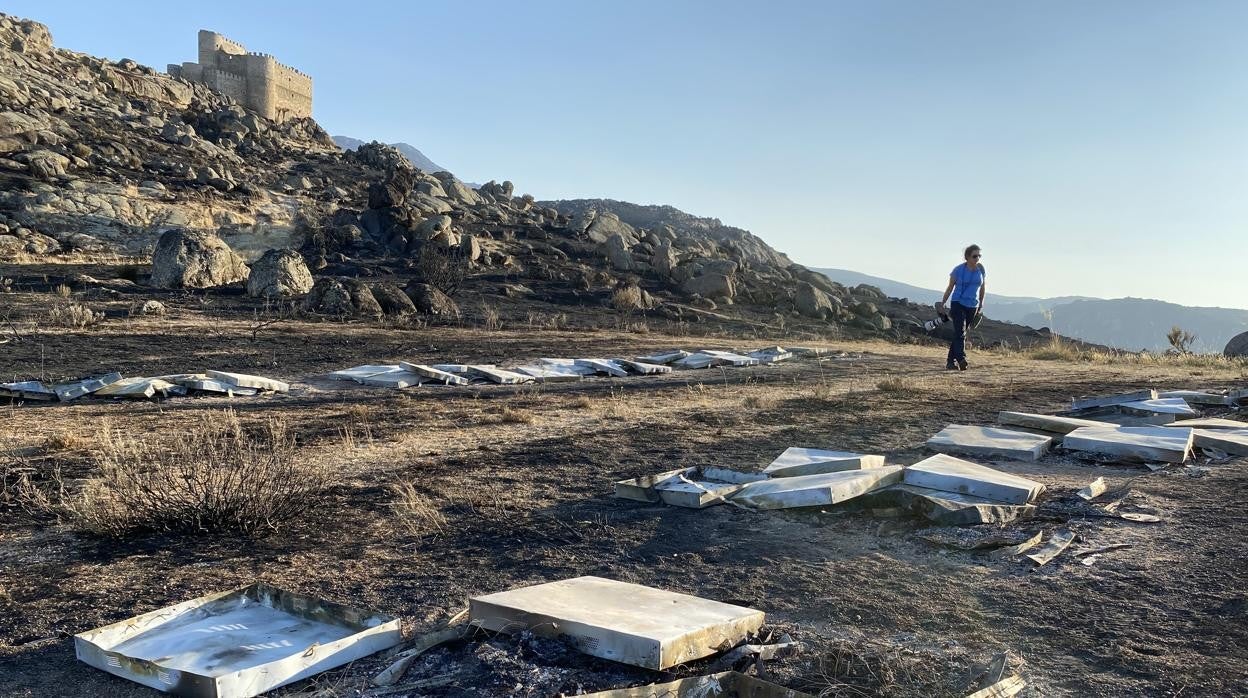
{"x": 1093, "y": 147}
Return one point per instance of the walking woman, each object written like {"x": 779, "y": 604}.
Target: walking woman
{"x": 966, "y": 289}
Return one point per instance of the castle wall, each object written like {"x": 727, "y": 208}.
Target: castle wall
{"x": 271, "y": 89}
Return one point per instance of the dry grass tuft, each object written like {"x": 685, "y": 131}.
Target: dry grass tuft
{"x": 1059, "y": 349}
{"x": 760, "y": 402}
{"x": 582, "y": 402}
{"x": 900, "y": 385}
{"x": 62, "y": 290}
{"x": 218, "y": 477}
{"x": 416, "y": 513}
{"x": 627, "y": 299}
{"x": 65, "y": 441}
{"x": 73, "y": 315}
{"x": 511, "y": 415}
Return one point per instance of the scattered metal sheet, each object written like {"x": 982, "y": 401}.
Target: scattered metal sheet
{"x": 1237, "y": 397}
{"x": 951, "y": 508}
{"x": 1021, "y": 548}
{"x": 1093, "y": 490}
{"x": 1230, "y": 441}
{"x": 244, "y": 380}
{"x": 498, "y": 375}
{"x": 1208, "y": 423}
{"x": 1196, "y": 397}
{"x": 1139, "y": 518}
{"x": 629, "y": 623}
{"x": 433, "y": 373}
{"x": 693, "y": 488}
{"x": 140, "y": 388}
{"x": 236, "y": 644}
{"x": 450, "y": 631}
{"x": 967, "y": 440}
{"x": 1057, "y": 543}
{"x": 27, "y": 390}
{"x": 1046, "y": 422}
{"x": 664, "y": 357}
{"x": 202, "y": 383}
{"x": 726, "y": 684}
{"x": 458, "y": 368}
{"x": 694, "y": 361}
{"x": 771, "y": 355}
{"x": 398, "y": 378}
{"x": 642, "y": 367}
{"x": 943, "y": 472}
{"x": 1005, "y": 688}
{"x": 812, "y": 461}
{"x": 604, "y": 366}
{"x": 728, "y": 358}
{"x": 1133, "y": 444}
{"x": 357, "y": 372}
{"x": 1167, "y": 407}
{"x": 568, "y": 366}
{"x": 815, "y": 490}
{"x": 1108, "y": 400}
{"x": 548, "y": 374}
{"x": 1100, "y": 549}
{"x": 72, "y": 391}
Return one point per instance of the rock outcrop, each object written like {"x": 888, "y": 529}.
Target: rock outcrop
{"x": 195, "y": 259}
{"x": 279, "y": 274}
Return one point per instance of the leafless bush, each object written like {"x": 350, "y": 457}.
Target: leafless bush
{"x": 218, "y": 477}
{"x": 415, "y": 513}
{"x": 62, "y": 290}
{"x": 441, "y": 268}
{"x": 73, "y": 315}
{"x": 490, "y": 318}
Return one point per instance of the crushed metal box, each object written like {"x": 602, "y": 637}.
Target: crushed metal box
{"x": 236, "y": 644}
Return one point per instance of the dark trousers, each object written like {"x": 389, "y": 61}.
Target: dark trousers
{"x": 962, "y": 317}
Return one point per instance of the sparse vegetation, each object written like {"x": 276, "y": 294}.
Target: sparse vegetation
{"x": 511, "y": 415}
{"x": 62, "y": 290}
{"x": 216, "y": 477}
{"x": 1180, "y": 340}
{"x": 901, "y": 385}
{"x": 490, "y": 318}
{"x": 627, "y": 299}
{"x": 415, "y": 513}
{"x": 73, "y": 315}
{"x": 441, "y": 268}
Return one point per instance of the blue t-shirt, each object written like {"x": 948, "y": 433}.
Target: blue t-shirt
{"x": 967, "y": 283}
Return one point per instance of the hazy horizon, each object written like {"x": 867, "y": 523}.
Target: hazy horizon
{"x": 1091, "y": 149}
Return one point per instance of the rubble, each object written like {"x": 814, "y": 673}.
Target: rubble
{"x": 628, "y": 623}
{"x": 1046, "y": 422}
{"x": 693, "y": 488}
{"x": 140, "y": 388}
{"x": 70, "y": 391}
{"x": 1057, "y": 543}
{"x": 1231, "y": 441}
{"x": 1196, "y": 397}
{"x": 946, "y": 508}
{"x": 1166, "y": 408}
{"x": 27, "y": 390}
{"x": 725, "y": 684}
{"x": 244, "y": 380}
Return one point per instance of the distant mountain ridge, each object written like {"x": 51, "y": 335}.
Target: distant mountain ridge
{"x": 1126, "y": 323}
{"x": 418, "y": 158}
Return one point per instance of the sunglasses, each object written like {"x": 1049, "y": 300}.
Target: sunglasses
{"x": 976, "y": 256}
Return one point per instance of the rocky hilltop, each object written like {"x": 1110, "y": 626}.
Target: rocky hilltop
{"x": 101, "y": 157}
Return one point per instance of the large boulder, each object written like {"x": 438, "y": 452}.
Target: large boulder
{"x": 45, "y": 164}
{"x": 347, "y": 297}
{"x": 392, "y": 299}
{"x": 279, "y": 274}
{"x": 393, "y": 190}
{"x": 710, "y": 285}
{"x": 431, "y": 301}
{"x": 664, "y": 260}
{"x": 616, "y": 249}
{"x": 1238, "y": 346}
{"x": 194, "y": 259}
{"x": 813, "y": 302}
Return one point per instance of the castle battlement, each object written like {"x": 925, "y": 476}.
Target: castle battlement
{"x": 257, "y": 80}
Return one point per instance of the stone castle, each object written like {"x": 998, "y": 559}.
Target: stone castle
{"x": 261, "y": 84}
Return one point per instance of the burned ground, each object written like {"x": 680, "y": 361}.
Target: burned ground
{"x": 522, "y": 478}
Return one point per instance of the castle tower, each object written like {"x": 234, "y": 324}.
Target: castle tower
{"x": 258, "y": 81}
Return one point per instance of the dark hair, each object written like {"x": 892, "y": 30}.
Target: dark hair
{"x": 966, "y": 254}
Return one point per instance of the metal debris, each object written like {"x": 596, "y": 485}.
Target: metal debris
{"x": 1057, "y": 543}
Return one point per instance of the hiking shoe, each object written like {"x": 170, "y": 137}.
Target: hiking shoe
{"x": 962, "y": 365}
{"x": 950, "y": 367}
